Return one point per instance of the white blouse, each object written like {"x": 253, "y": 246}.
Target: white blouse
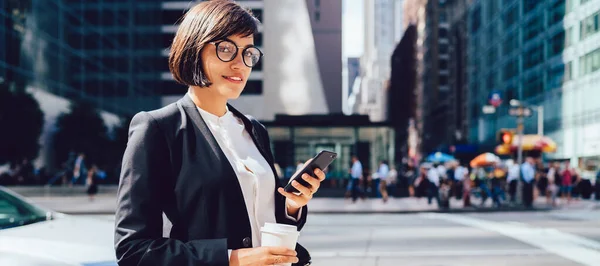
{"x": 252, "y": 169}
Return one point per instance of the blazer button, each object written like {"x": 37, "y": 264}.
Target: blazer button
{"x": 247, "y": 242}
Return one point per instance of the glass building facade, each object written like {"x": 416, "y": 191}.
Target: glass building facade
{"x": 544, "y": 53}
{"x": 102, "y": 51}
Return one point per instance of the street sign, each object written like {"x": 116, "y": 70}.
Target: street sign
{"x": 520, "y": 111}
{"x": 495, "y": 98}
{"x": 488, "y": 109}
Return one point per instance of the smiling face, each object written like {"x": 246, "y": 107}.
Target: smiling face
{"x": 227, "y": 78}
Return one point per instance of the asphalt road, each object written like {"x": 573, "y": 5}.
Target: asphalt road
{"x": 559, "y": 237}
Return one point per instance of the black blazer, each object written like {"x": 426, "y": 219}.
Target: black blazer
{"x": 174, "y": 165}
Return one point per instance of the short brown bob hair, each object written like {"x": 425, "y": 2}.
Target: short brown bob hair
{"x": 206, "y": 22}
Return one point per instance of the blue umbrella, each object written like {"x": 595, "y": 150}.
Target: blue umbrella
{"x": 439, "y": 157}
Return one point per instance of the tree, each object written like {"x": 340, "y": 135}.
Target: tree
{"x": 82, "y": 130}
{"x": 21, "y": 120}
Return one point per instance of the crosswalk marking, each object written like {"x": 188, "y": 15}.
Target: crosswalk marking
{"x": 569, "y": 246}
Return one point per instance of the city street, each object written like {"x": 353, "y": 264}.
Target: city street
{"x": 511, "y": 238}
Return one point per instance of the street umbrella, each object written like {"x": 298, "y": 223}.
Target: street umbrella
{"x": 439, "y": 157}
{"x": 484, "y": 159}
{"x": 530, "y": 143}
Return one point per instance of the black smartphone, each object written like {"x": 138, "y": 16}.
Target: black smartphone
{"x": 321, "y": 161}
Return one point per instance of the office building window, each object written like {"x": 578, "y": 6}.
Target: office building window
{"x": 172, "y": 88}
{"x": 253, "y": 87}
{"x": 443, "y": 33}
{"x": 443, "y": 17}
{"x": 317, "y": 3}
{"x": 590, "y": 25}
{"x": 584, "y": 1}
{"x": 491, "y": 81}
{"x": 475, "y": 19}
{"x": 557, "y": 44}
{"x": 443, "y": 64}
{"x": 317, "y": 16}
{"x": 556, "y": 12}
{"x": 258, "y": 66}
{"x": 511, "y": 16}
{"x": 510, "y": 44}
{"x": 555, "y": 77}
{"x": 511, "y": 69}
{"x": 569, "y": 6}
{"x": 492, "y": 56}
{"x": 511, "y": 93}
{"x": 443, "y": 80}
{"x": 590, "y": 62}
{"x": 167, "y": 39}
{"x": 172, "y": 17}
{"x": 533, "y": 56}
{"x": 491, "y": 9}
{"x": 475, "y": 68}
{"x": 533, "y": 85}
{"x": 534, "y": 27}
{"x": 569, "y": 71}
{"x": 258, "y": 14}
{"x": 569, "y": 37}
{"x": 443, "y": 48}
{"x": 492, "y": 33}
{"x": 529, "y": 5}
{"x": 258, "y": 39}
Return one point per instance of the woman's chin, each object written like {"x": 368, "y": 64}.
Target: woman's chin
{"x": 233, "y": 93}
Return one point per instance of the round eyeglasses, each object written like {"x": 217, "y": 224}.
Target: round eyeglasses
{"x": 227, "y": 51}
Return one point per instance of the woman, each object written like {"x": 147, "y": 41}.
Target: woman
{"x": 200, "y": 162}
{"x": 92, "y": 189}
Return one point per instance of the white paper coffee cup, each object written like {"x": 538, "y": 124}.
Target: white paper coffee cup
{"x": 279, "y": 235}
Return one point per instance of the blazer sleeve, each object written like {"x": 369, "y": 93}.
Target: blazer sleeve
{"x": 138, "y": 222}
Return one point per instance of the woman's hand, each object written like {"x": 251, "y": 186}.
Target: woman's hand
{"x": 295, "y": 202}
{"x": 262, "y": 256}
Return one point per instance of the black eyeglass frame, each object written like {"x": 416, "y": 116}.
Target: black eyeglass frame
{"x": 237, "y": 49}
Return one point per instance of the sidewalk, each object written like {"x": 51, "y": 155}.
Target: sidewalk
{"x": 105, "y": 204}
{"x": 75, "y": 201}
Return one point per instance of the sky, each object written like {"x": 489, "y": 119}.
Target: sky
{"x": 352, "y": 28}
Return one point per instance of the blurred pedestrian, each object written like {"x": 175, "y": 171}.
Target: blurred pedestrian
{"x": 91, "y": 182}
{"x": 433, "y": 176}
{"x": 421, "y": 183}
{"x": 356, "y": 174}
{"x": 79, "y": 169}
{"x": 528, "y": 170}
{"x": 513, "y": 179}
{"x": 382, "y": 173}
{"x": 388, "y": 183}
{"x": 597, "y": 186}
{"x": 553, "y": 187}
{"x": 587, "y": 177}
{"x": 460, "y": 174}
{"x": 567, "y": 182}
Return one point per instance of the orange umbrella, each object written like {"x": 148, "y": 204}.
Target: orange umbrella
{"x": 530, "y": 143}
{"x": 484, "y": 160}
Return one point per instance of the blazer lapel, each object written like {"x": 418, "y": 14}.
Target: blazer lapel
{"x": 256, "y": 137}
{"x": 228, "y": 173}
{"x": 260, "y": 140}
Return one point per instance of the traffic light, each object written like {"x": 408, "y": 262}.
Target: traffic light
{"x": 505, "y": 136}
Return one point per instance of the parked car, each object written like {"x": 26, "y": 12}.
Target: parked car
{"x": 32, "y": 235}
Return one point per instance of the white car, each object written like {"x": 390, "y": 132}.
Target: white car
{"x": 31, "y": 235}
